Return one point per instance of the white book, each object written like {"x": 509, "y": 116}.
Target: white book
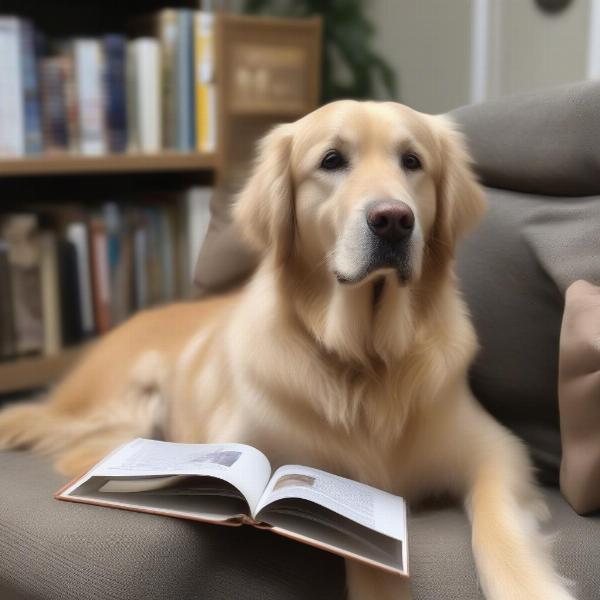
{"x": 197, "y": 219}
{"x": 77, "y": 234}
{"x": 145, "y": 86}
{"x": 234, "y": 484}
{"x": 12, "y": 119}
{"x": 88, "y": 59}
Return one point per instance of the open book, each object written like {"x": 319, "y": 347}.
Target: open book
{"x": 232, "y": 484}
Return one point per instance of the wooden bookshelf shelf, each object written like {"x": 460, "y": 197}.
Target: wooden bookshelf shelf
{"x": 36, "y": 371}
{"x": 115, "y": 163}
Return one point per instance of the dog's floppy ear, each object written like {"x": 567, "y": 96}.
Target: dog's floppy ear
{"x": 264, "y": 211}
{"x": 460, "y": 199}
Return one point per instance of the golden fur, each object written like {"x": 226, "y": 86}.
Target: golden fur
{"x": 367, "y": 379}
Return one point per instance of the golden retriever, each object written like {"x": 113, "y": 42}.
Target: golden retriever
{"x": 347, "y": 351}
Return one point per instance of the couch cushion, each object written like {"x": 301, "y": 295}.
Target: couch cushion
{"x": 58, "y": 550}
{"x": 542, "y": 142}
{"x": 514, "y": 270}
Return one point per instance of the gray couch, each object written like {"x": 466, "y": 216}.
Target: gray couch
{"x": 541, "y": 152}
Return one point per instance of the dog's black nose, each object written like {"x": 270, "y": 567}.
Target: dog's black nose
{"x": 392, "y": 220}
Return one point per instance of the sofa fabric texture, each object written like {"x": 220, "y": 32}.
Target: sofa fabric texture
{"x": 542, "y": 142}
{"x": 579, "y": 397}
{"x": 52, "y": 550}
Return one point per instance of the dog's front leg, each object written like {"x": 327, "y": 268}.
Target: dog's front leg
{"x": 505, "y": 508}
{"x": 368, "y": 583}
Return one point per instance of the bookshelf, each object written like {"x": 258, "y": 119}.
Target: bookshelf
{"x": 117, "y": 163}
{"x": 248, "y": 52}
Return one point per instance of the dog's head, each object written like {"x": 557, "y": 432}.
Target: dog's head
{"x": 367, "y": 188}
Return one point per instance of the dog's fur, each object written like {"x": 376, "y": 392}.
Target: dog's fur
{"x": 329, "y": 357}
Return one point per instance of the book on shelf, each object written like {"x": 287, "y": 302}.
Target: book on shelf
{"x": 12, "y": 122}
{"x": 206, "y": 102}
{"x": 115, "y": 102}
{"x": 50, "y": 291}
{"x": 69, "y": 272}
{"x": 20, "y": 232}
{"x": 234, "y": 484}
{"x": 7, "y": 333}
{"x": 53, "y": 90}
{"x": 87, "y": 58}
{"x": 32, "y": 122}
{"x": 185, "y": 138}
{"x": 94, "y": 96}
{"x": 144, "y": 95}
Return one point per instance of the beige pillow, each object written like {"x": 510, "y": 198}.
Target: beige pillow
{"x": 579, "y": 397}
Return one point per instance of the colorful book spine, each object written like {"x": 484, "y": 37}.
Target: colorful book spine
{"x": 54, "y": 105}
{"x": 31, "y": 90}
{"x": 115, "y": 110}
{"x": 184, "y": 87}
{"x": 100, "y": 275}
{"x": 88, "y": 78}
{"x": 12, "y": 121}
{"x": 206, "y": 133}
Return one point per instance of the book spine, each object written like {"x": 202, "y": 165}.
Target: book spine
{"x": 22, "y": 236}
{"x": 54, "y": 108}
{"x": 167, "y": 32}
{"x": 30, "y": 86}
{"x": 204, "y": 81}
{"x": 115, "y": 111}
{"x": 100, "y": 275}
{"x": 148, "y": 94}
{"x": 72, "y": 329}
{"x": 133, "y": 136}
{"x": 7, "y": 331}
{"x": 77, "y": 234}
{"x": 140, "y": 265}
{"x": 88, "y": 77}
{"x": 12, "y": 124}
{"x": 50, "y": 293}
{"x": 71, "y": 100}
{"x": 197, "y": 206}
{"x": 184, "y": 88}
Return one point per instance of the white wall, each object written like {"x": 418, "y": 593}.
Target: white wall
{"x": 538, "y": 49}
{"x": 428, "y": 43}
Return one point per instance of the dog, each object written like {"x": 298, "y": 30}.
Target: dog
{"x": 348, "y": 350}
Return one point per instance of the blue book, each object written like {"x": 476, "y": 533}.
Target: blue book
{"x": 31, "y": 91}
{"x": 185, "y": 88}
{"x": 115, "y": 103}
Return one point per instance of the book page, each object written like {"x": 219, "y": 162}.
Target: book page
{"x": 372, "y": 508}
{"x": 244, "y": 467}
{"x": 317, "y": 526}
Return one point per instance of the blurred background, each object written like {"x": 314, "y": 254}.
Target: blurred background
{"x": 123, "y": 123}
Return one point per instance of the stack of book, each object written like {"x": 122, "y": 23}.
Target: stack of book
{"x": 94, "y": 96}
{"x": 68, "y": 272}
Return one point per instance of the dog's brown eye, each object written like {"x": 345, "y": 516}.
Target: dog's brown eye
{"x": 333, "y": 161}
{"x": 411, "y": 162}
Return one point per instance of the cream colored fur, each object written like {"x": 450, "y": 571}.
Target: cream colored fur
{"x": 315, "y": 372}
